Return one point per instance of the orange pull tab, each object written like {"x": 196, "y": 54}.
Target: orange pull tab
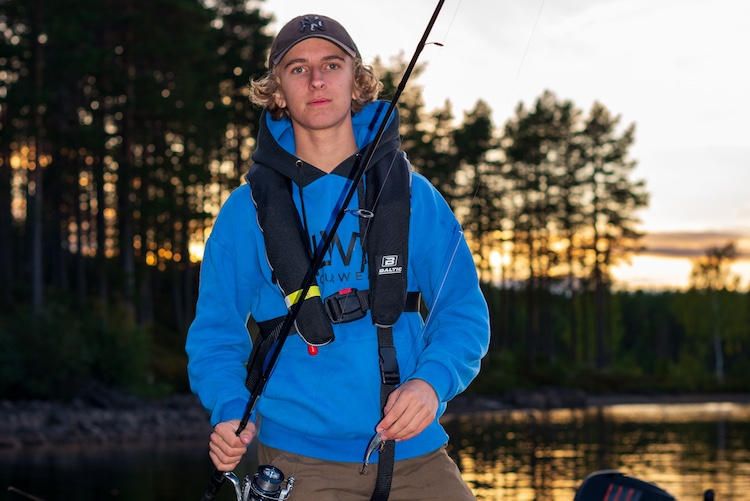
{"x": 312, "y": 350}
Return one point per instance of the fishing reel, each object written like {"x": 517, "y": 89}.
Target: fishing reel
{"x": 264, "y": 486}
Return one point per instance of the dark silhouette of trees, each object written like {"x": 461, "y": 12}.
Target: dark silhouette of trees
{"x": 713, "y": 316}
{"x": 572, "y": 216}
{"x": 615, "y": 199}
{"x": 124, "y": 125}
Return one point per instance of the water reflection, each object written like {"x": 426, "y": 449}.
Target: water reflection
{"x": 534, "y": 455}
{"x": 143, "y": 473}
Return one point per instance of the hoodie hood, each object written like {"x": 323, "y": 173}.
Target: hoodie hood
{"x": 275, "y": 147}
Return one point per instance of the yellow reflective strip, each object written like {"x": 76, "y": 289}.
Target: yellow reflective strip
{"x": 294, "y": 296}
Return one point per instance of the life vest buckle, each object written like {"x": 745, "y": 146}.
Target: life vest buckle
{"x": 347, "y": 305}
{"x": 389, "y": 373}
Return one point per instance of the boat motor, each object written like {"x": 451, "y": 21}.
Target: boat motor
{"x": 613, "y": 485}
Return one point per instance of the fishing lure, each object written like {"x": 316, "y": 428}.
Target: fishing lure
{"x": 376, "y": 444}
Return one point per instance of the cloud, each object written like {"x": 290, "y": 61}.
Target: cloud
{"x": 693, "y": 244}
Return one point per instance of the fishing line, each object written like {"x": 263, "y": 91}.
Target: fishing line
{"x": 525, "y": 53}
{"x": 420, "y": 93}
{"x": 433, "y": 306}
{"x": 441, "y": 44}
{"x": 372, "y": 212}
{"x": 420, "y": 89}
{"x": 420, "y": 96}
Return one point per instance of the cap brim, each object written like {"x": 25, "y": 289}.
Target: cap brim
{"x": 276, "y": 60}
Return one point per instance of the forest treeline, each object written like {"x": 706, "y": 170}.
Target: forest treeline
{"x": 124, "y": 125}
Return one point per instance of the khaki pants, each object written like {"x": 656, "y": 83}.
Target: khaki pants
{"x": 433, "y": 476}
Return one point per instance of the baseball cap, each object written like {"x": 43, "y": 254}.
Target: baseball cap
{"x": 310, "y": 26}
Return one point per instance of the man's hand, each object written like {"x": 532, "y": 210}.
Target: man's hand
{"x": 409, "y": 410}
{"x": 226, "y": 448}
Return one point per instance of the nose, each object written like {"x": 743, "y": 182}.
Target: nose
{"x": 316, "y": 79}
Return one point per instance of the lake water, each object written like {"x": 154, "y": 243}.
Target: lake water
{"x": 531, "y": 455}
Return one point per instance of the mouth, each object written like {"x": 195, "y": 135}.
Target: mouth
{"x": 319, "y": 101}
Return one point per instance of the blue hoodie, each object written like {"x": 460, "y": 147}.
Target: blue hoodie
{"x": 327, "y": 406}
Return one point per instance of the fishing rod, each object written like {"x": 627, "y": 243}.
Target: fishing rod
{"x": 23, "y": 494}
{"x": 360, "y": 166}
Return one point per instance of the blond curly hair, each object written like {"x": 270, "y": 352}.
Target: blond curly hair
{"x": 263, "y": 90}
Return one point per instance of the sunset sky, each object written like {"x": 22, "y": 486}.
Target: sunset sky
{"x": 676, "y": 68}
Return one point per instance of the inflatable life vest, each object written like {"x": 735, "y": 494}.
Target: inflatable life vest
{"x": 384, "y": 208}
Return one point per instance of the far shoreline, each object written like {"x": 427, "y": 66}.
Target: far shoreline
{"x": 102, "y": 420}
{"x": 556, "y": 399}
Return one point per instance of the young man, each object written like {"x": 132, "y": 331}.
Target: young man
{"x": 360, "y": 360}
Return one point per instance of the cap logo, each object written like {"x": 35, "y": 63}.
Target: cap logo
{"x": 316, "y": 24}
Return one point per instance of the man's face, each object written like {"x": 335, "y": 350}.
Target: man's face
{"x": 317, "y": 85}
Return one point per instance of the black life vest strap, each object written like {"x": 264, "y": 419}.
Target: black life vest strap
{"x": 288, "y": 250}
{"x": 266, "y": 327}
{"x": 386, "y": 239}
{"x": 351, "y": 304}
{"x": 264, "y": 342}
{"x": 390, "y": 378}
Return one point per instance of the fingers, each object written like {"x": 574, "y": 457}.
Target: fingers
{"x": 409, "y": 410}
{"x": 225, "y": 448}
{"x": 406, "y": 427}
